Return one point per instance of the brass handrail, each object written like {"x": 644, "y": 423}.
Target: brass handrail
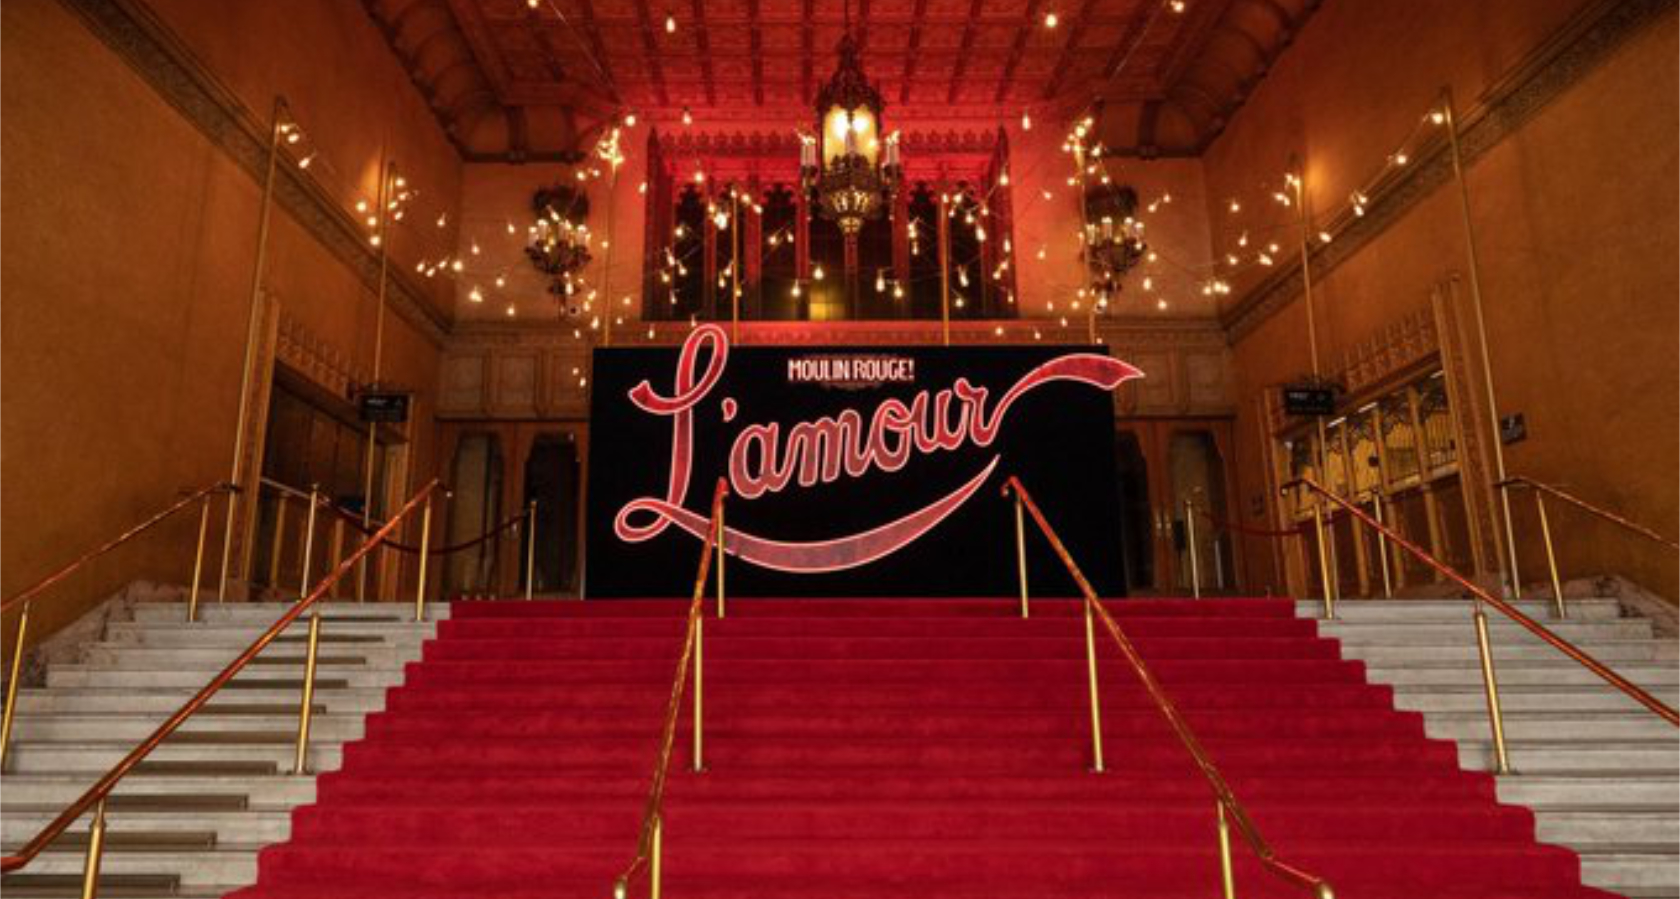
{"x": 1509, "y": 611}
{"x": 1599, "y": 511}
{"x": 113, "y": 543}
{"x": 1225, "y": 800}
{"x": 649, "y": 845}
{"x": 96, "y": 794}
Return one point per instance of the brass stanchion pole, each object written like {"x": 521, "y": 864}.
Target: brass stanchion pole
{"x": 306, "y": 711}
{"x": 12, "y": 686}
{"x": 1324, "y": 564}
{"x": 699, "y": 693}
{"x": 309, "y": 540}
{"x": 719, "y": 537}
{"x": 1021, "y": 555}
{"x": 253, "y": 326}
{"x": 1551, "y": 557}
{"x": 945, "y": 267}
{"x": 1190, "y": 544}
{"x": 1514, "y": 577}
{"x": 198, "y": 557}
{"x": 1227, "y": 878}
{"x": 656, "y": 858}
{"x": 1096, "y": 702}
{"x": 606, "y": 264}
{"x": 387, "y": 175}
{"x": 425, "y": 552}
{"x": 1382, "y": 546}
{"x": 95, "y": 853}
{"x": 278, "y": 543}
{"x": 1321, "y": 449}
{"x": 735, "y": 270}
{"x": 530, "y": 549}
{"x": 1490, "y": 684}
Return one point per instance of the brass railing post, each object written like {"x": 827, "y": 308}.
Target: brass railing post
{"x": 1227, "y": 879}
{"x": 656, "y": 858}
{"x": 1021, "y": 555}
{"x": 12, "y": 677}
{"x": 198, "y": 557}
{"x": 95, "y": 853}
{"x": 699, "y": 692}
{"x": 1490, "y": 683}
{"x": 718, "y": 541}
{"x": 425, "y": 551}
{"x": 300, "y": 761}
{"x": 1190, "y": 544}
{"x": 1324, "y": 563}
{"x": 1382, "y": 547}
{"x": 278, "y": 543}
{"x": 530, "y": 548}
{"x": 309, "y": 540}
{"x": 1551, "y": 556}
{"x": 1096, "y": 703}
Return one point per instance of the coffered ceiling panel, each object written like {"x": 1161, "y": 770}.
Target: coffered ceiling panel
{"x": 493, "y": 67}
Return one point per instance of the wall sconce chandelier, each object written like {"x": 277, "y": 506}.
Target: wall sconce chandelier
{"x": 557, "y": 243}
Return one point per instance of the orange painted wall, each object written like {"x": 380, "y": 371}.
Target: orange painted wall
{"x": 1575, "y": 223}
{"x": 127, "y": 260}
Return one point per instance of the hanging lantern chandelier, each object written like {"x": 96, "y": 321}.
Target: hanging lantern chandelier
{"x": 557, "y": 243}
{"x": 1114, "y": 241}
{"x": 849, "y": 167}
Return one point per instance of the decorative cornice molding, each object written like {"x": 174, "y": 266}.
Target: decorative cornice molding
{"x": 142, "y": 41}
{"x": 1546, "y": 74}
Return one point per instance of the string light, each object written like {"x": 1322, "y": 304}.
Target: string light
{"x": 1051, "y": 20}
{"x": 687, "y": 117}
{"x": 670, "y": 24}
{"x": 1026, "y": 121}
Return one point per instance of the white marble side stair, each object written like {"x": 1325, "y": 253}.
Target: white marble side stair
{"x": 1600, "y": 772}
{"x": 191, "y": 820}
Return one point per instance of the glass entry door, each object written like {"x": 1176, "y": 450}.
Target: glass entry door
{"x": 1160, "y": 465}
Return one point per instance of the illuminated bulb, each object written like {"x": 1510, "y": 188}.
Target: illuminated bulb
{"x": 1152, "y": 257}
{"x": 1235, "y": 206}
{"x": 374, "y": 240}
{"x": 1003, "y": 179}
{"x": 457, "y": 265}
{"x": 1026, "y": 121}
{"x": 476, "y": 295}
{"x": 1243, "y": 240}
{"x": 687, "y": 117}
{"x": 443, "y": 219}
{"x": 305, "y": 161}
{"x": 371, "y": 221}
{"x": 1046, "y": 195}
{"x": 1050, "y": 20}
{"x": 962, "y": 276}
{"x": 361, "y": 206}
{"x": 1324, "y": 236}
{"x": 475, "y": 250}
{"x": 1401, "y": 158}
{"x": 294, "y": 137}
{"x": 1265, "y": 259}
{"x": 1148, "y": 283}
{"x": 795, "y": 290}
{"x": 817, "y": 273}
{"x": 402, "y": 183}
{"x": 1161, "y": 304}
{"x": 1176, "y": 6}
{"x": 958, "y": 302}
{"x": 629, "y": 120}
{"x": 670, "y": 24}
{"x": 1438, "y": 117}
{"x": 511, "y": 229}
{"x": 501, "y": 280}
{"x": 880, "y": 283}
{"x": 898, "y": 292}
{"x": 998, "y": 330}
{"x": 775, "y": 239}
{"x": 641, "y": 188}
{"x": 510, "y": 310}
{"x": 1041, "y": 252}
{"x": 532, "y": 3}
{"x": 1037, "y": 335}
{"x": 699, "y": 177}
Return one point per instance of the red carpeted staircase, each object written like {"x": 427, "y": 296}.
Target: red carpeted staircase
{"x": 883, "y": 748}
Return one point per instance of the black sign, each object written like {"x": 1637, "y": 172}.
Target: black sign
{"x": 851, "y": 471}
{"x": 1309, "y": 400}
{"x": 385, "y": 407}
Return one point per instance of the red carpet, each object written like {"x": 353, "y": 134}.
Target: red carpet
{"x": 887, "y": 748}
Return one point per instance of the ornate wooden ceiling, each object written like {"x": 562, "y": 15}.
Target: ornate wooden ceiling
{"x": 509, "y": 81}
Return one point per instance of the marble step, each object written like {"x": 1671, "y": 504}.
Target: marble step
{"x": 134, "y": 728}
{"x": 1608, "y": 825}
{"x": 1634, "y": 870}
{"x": 272, "y": 790}
{"x": 252, "y": 677}
{"x": 162, "y": 701}
{"x": 1552, "y": 725}
{"x": 1558, "y": 756}
{"x": 254, "y": 826}
{"x": 270, "y": 611}
{"x": 225, "y": 864}
{"x": 213, "y": 658}
{"x": 1384, "y": 633}
{"x": 1417, "y": 611}
{"x": 152, "y": 633}
{"x": 1516, "y": 649}
{"x": 97, "y": 757}
{"x": 1659, "y": 791}
{"x": 1599, "y": 697}
{"x": 1653, "y": 676}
